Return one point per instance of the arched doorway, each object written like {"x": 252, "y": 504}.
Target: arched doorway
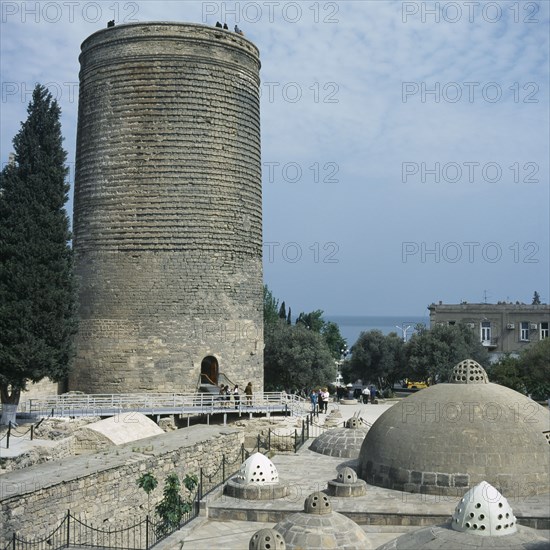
{"x": 209, "y": 370}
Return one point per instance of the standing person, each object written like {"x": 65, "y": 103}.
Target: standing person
{"x": 227, "y": 393}
{"x": 248, "y": 393}
{"x": 372, "y": 393}
{"x": 366, "y": 395}
{"x": 236, "y": 396}
{"x": 313, "y": 397}
{"x": 324, "y": 399}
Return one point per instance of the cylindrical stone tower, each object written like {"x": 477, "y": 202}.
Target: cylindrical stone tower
{"x": 167, "y": 210}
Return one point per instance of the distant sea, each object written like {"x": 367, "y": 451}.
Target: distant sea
{"x": 351, "y": 326}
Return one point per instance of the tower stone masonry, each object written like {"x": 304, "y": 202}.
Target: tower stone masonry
{"x": 167, "y": 210}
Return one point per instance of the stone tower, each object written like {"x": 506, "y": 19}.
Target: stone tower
{"x": 167, "y": 210}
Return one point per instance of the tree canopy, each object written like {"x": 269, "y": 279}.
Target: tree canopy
{"x": 296, "y": 358}
{"x": 433, "y": 353}
{"x": 37, "y": 290}
{"x": 377, "y": 358}
{"x": 302, "y": 355}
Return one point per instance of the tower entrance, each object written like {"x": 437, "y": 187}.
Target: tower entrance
{"x": 209, "y": 370}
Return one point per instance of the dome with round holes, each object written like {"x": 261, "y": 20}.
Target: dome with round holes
{"x": 484, "y": 511}
{"x": 347, "y": 475}
{"x": 482, "y": 519}
{"x": 469, "y": 372}
{"x": 258, "y": 469}
{"x": 448, "y": 437}
{"x": 346, "y": 484}
{"x": 320, "y": 527}
{"x": 317, "y": 503}
{"x": 267, "y": 539}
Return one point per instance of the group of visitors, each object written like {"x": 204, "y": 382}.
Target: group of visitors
{"x": 319, "y": 400}
{"x": 227, "y": 394}
{"x": 369, "y": 393}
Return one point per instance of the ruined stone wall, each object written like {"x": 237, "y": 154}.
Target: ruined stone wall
{"x": 167, "y": 208}
{"x": 102, "y": 488}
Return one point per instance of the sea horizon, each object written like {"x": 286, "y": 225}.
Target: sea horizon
{"x": 351, "y": 326}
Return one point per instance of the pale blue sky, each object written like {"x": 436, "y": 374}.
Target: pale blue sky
{"x": 367, "y": 99}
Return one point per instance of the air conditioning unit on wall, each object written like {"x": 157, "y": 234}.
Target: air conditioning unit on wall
{"x": 533, "y": 326}
{"x": 471, "y": 325}
{"x": 511, "y": 326}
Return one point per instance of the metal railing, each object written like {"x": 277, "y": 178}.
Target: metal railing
{"x": 162, "y": 403}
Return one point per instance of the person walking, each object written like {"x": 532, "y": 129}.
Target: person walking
{"x": 248, "y": 393}
{"x": 324, "y": 399}
{"x": 366, "y": 395}
{"x": 236, "y": 396}
{"x": 313, "y": 398}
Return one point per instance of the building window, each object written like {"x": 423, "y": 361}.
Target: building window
{"x": 524, "y": 331}
{"x": 485, "y": 331}
{"x": 543, "y": 331}
{"x": 451, "y": 323}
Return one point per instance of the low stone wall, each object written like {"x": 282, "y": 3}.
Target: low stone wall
{"x": 102, "y": 487}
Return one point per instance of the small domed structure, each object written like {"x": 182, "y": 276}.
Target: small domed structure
{"x": 482, "y": 519}
{"x": 257, "y": 469}
{"x": 258, "y": 479}
{"x": 449, "y": 437}
{"x": 346, "y": 484}
{"x": 342, "y": 442}
{"x": 267, "y": 539}
{"x": 319, "y": 527}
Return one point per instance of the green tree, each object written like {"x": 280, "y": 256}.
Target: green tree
{"x": 37, "y": 289}
{"x": 173, "y": 506}
{"x": 282, "y": 311}
{"x": 271, "y": 308}
{"x": 534, "y": 363}
{"x": 536, "y": 299}
{"x": 289, "y": 317}
{"x": 377, "y": 358}
{"x": 295, "y": 357}
{"x": 334, "y": 339}
{"x": 148, "y": 482}
{"x": 433, "y": 353}
{"x": 507, "y": 372}
{"x": 312, "y": 321}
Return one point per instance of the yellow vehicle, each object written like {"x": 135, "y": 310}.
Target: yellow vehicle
{"x": 415, "y": 385}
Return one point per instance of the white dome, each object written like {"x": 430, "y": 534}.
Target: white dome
{"x": 484, "y": 511}
{"x": 258, "y": 469}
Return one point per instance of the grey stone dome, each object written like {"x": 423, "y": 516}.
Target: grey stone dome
{"x": 342, "y": 442}
{"x": 319, "y": 527}
{"x": 448, "y": 437}
{"x": 267, "y": 539}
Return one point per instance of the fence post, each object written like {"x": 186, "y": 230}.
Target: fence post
{"x": 8, "y": 435}
{"x": 68, "y": 528}
{"x": 147, "y": 532}
{"x": 303, "y": 432}
{"x": 295, "y": 441}
{"x": 269, "y": 439}
{"x": 13, "y": 540}
{"x": 200, "y": 484}
{"x": 258, "y": 442}
{"x": 242, "y": 453}
{"x": 223, "y": 468}
{"x": 32, "y": 432}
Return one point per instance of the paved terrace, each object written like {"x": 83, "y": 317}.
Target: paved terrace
{"x": 383, "y": 513}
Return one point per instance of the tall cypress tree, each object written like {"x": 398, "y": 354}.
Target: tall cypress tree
{"x": 37, "y": 289}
